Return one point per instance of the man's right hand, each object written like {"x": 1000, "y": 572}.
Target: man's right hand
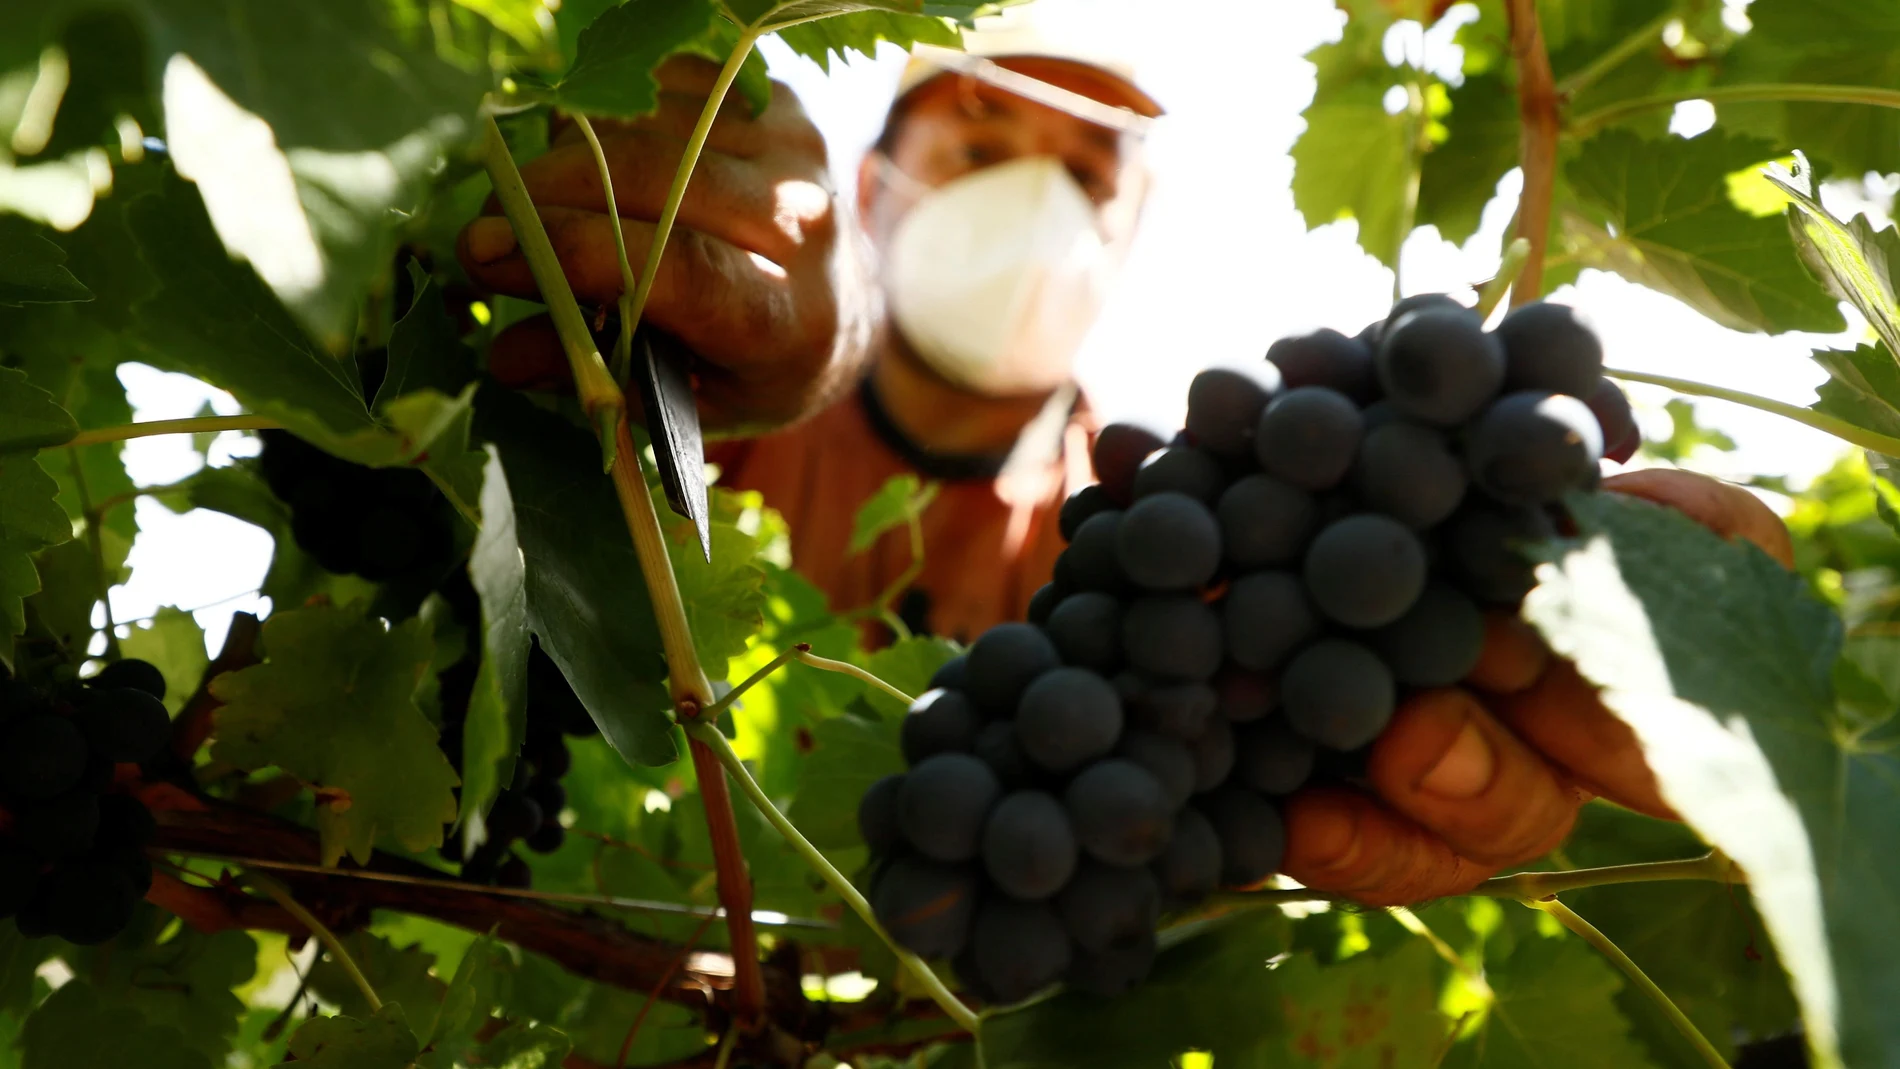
{"x": 761, "y": 277}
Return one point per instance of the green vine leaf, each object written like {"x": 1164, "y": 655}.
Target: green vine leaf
{"x": 617, "y": 53}
{"x": 1555, "y": 1009}
{"x": 1656, "y": 211}
{"x": 724, "y": 596}
{"x": 399, "y": 975}
{"x": 335, "y": 705}
{"x": 498, "y": 707}
{"x": 1855, "y": 261}
{"x": 861, "y": 31}
{"x": 31, "y": 267}
{"x": 75, "y": 1026}
{"x": 1460, "y": 175}
{"x": 30, "y": 518}
{"x": 172, "y": 642}
{"x": 900, "y": 501}
{"x": 1863, "y": 387}
{"x": 847, "y": 754}
{"x": 1353, "y": 160}
{"x": 380, "y": 1042}
{"x": 173, "y": 975}
{"x": 29, "y": 418}
{"x": 1832, "y": 42}
{"x": 1723, "y": 665}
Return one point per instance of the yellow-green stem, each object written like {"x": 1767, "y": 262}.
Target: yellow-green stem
{"x": 193, "y": 425}
{"x": 852, "y": 670}
{"x": 1710, "y": 866}
{"x": 1767, "y": 93}
{"x": 599, "y": 394}
{"x": 324, "y": 935}
{"x": 695, "y": 144}
{"x": 686, "y": 679}
{"x": 1644, "y": 36}
{"x": 941, "y": 995}
{"x": 623, "y": 345}
{"x": 1589, "y": 934}
{"x": 732, "y": 696}
{"x": 1516, "y": 255}
{"x": 1821, "y": 421}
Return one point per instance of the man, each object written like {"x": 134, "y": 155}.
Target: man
{"x": 840, "y": 382}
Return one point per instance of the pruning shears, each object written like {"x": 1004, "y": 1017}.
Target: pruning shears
{"x": 664, "y": 371}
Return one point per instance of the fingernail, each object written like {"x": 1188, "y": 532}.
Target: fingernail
{"x": 1331, "y": 839}
{"x": 1465, "y": 769}
{"x": 490, "y": 240}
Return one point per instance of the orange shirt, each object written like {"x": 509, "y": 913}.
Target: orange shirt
{"x": 989, "y": 541}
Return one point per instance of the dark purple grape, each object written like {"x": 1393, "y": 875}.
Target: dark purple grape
{"x": 1549, "y": 347}
{"x": 1190, "y": 868}
{"x": 1271, "y": 757}
{"x": 1087, "y": 631}
{"x": 1019, "y": 947}
{"x": 1181, "y": 469}
{"x": 943, "y": 803}
{"x": 1409, "y": 472}
{"x": 1337, "y": 693}
{"x": 1172, "y": 637}
{"x": 1437, "y": 642}
{"x": 1252, "y": 835}
{"x": 1267, "y": 521}
{"x": 1067, "y": 718}
{"x": 1438, "y": 366}
{"x": 878, "y": 823}
{"x": 1079, "y": 506}
{"x": 926, "y": 905}
{"x": 1532, "y": 448}
{"x": 1029, "y": 847}
{"x": 1109, "y": 906}
{"x": 1326, "y": 358}
{"x": 1267, "y": 615}
{"x": 1120, "y": 812}
{"x": 1168, "y": 542}
{"x": 1309, "y": 436}
{"x": 1004, "y": 661}
{"x": 939, "y": 721}
{"x": 1364, "y": 570}
{"x": 1119, "y": 450}
{"x": 1224, "y": 406}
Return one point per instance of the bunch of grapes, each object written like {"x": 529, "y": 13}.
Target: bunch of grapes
{"x": 72, "y": 849}
{"x": 1236, "y": 608}
{"x": 384, "y": 524}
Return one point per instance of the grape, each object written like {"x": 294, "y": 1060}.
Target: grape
{"x": 1264, "y": 520}
{"x": 514, "y": 872}
{"x": 1326, "y": 358}
{"x": 1252, "y": 836}
{"x": 1042, "y": 603}
{"x": 1120, "y": 812}
{"x": 1181, "y": 469}
{"x": 1267, "y": 616}
{"x": 877, "y": 815}
{"x": 925, "y": 905}
{"x": 550, "y": 698}
{"x": 1131, "y": 687}
{"x": 951, "y": 674}
{"x": 1079, "y": 506}
{"x": 1364, "y": 570}
{"x": 1087, "y": 631}
{"x": 1242, "y": 695}
{"x": 547, "y": 838}
{"x": 550, "y": 796}
{"x": 1548, "y": 347}
{"x": 33, "y": 921}
{"x": 133, "y": 673}
{"x": 997, "y": 747}
{"x": 1271, "y": 758}
{"x": 939, "y": 721}
{"x": 553, "y": 761}
{"x": 1176, "y": 637}
{"x": 124, "y": 823}
{"x": 969, "y": 977}
{"x": 1308, "y": 437}
{"x": 137, "y": 868}
{"x": 1119, "y": 450}
{"x": 1190, "y": 868}
{"x": 1379, "y": 414}
{"x": 1019, "y": 948}
{"x": 19, "y": 878}
{"x": 1004, "y": 661}
{"x": 514, "y": 816}
{"x": 41, "y": 755}
{"x": 1485, "y": 545}
{"x": 1092, "y": 561}
{"x": 1067, "y": 718}
{"x": 1224, "y": 407}
{"x": 1611, "y": 406}
{"x": 59, "y": 826}
{"x": 1168, "y": 542}
{"x": 1532, "y": 448}
{"x": 1109, "y": 906}
{"x": 1337, "y": 693}
{"x": 1114, "y": 971}
{"x": 1178, "y": 710}
{"x": 86, "y": 901}
{"x": 1417, "y": 302}
{"x": 1213, "y": 755}
{"x": 1439, "y": 366}
{"x": 1029, "y": 849}
{"x": 1436, "y": 643}
{"x": 1410, "y": 473}
{"x": 1167, "y": 760}
{"x": 943, "y": 803}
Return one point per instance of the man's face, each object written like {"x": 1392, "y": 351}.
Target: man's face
{"x": 955, "y": 125}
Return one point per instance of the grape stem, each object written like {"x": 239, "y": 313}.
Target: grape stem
{"x": 1516, "y": 255}
{"x": 941, "y": 995}
{"x": 1764, "y": 93}
{"x": 1834, "y": 425}
{"x": 623, "y": 345}
{"x": 846, "y": 668}
{"x": 1537, "y": 147}
{"x": 193, "y": 425}
{"x": 1588, "y": 932}
{"x": 732, "y": 697}
{"x": 1526, "y": 885}
{"x": 324, "y": 935}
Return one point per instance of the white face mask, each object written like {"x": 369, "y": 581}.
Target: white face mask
{"x": 994, "y": 278}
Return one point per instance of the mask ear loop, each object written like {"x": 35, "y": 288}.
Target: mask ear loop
{"x": 896, "y": 178}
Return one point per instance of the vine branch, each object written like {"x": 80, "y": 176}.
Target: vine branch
{"x": 1820, "y": 421}
{"x": 1537, "y": 105}
{"x": 192, "y": 425}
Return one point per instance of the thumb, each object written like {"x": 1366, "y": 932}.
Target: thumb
{"x": 528, "y": 356}
{"x": 1722, "y": 507}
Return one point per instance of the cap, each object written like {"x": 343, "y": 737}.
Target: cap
{"x": 1114, "y": 98}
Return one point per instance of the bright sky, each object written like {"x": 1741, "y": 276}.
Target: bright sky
{"x": 1223, "y": 267}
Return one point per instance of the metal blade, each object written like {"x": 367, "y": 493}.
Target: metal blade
{"x": 666, "y": 389}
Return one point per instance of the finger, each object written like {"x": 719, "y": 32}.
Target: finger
{"x": 707, "y": 292}
{"x": 528, "y": 356}
{"x": 1344, "y": 842}
{"x": 1724, "y": 508}
{"x": 734, "y": 200}
{"x": 1446, "y": 764}
{"x": 1514, "y": 655}
{"x": 1563, "y": 719}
